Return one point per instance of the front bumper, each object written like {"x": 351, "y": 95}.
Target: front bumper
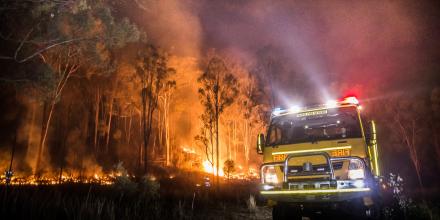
{"x": 316, "y": 195}
{"x": 330, "y": 190}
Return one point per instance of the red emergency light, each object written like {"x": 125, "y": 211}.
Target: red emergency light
{"x": 350, "y": 100}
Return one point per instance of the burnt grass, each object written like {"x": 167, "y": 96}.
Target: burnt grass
{"x": 182, "y": 197}
{"x": 176, "y": 198}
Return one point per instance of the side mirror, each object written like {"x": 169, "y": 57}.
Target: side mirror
{"x": 260, "y": 143}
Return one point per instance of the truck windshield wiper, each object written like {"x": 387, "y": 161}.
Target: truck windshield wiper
{"x": 313, "y": 139}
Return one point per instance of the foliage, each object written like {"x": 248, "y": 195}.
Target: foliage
{"x": 251, "y": 204}
{"x": 84, "y": 201}
{"x": 396, "y": 184}
{"x": 409, "y": 114}
{"x": 218, "y": 86}
{"x": 150, "y": 187}
{"x": 123, "y": 181}
{"x": 217, "y": 92}
{"x": 229, "y": 168}
{"x": 152, "y": 68}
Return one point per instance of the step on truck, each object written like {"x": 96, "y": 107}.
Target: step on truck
{"x": 320, "y": 160}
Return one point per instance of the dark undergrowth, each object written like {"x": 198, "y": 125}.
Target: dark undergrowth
{"x": 176, "y": 198}
{"x": 172, "y": 196}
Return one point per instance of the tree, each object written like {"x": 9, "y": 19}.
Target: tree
{"x": 246, "y": 117}
{"x": 229, "y": 168}
{"x": 165, "y": 99}
{"x": 217, "y": 92}
{"x": 254, "y": 108}
{"x": 65, "y": 63}
{"x": 205, "y": 138}
{"x": 152, "y": 67}
{"x": 269, "y": 68}
{"x": 88, "y": 35}
{"x": 408, "y": 115}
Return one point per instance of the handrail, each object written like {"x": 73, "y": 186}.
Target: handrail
{"x": 324, "y": 154}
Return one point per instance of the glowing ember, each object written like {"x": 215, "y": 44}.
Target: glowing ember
{"x": 105, "y": 179}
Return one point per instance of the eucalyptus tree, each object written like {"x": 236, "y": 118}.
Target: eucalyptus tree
{"x": 69, "y": 38}
{"x": 254, "y": 107}
{"x": 152, "y": 67}
{"x": 217, "y": 91}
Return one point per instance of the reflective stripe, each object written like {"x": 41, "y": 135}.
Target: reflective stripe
{"x": 315, "y": 191}
{"x": 312, "y": 150}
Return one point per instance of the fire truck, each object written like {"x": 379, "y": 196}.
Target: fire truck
{"x": 320, "y": 160}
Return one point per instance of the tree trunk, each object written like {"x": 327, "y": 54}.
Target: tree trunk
{"x": 234, "y": 139}
{"x": 437, "y": 146}
{"x": 147, "y": 137}
{"x": 44, "y": 137}
{"x": 109, "y": 124}
{"x": 216, "y": 132}
{"x": 141, "y": 133}
{"x": 63, "y": 145}
{"x": 228, "y": 146}
{"x": 31, "y": 126}
{"x": 160, "y": 127}
{"x": 167, "y": 134}
{"x": 95, "y": 138}
{"x": 9, "y": 176}
{"x": 129, "y": 127}
{"x": 246, "y": 143}
{"x": 144, "y": 127}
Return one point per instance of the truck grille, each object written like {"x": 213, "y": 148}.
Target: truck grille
{"x": 316, "y": 168}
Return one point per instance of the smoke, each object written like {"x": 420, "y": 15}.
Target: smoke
{"x": 172, "y": 25}
{"x": 341, "y": 47}
{"x": 335, "y": 47}
{"x": 325, "y": 49}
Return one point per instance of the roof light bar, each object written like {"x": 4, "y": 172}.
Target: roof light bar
{"x": 351, "y": 100}
{"x": 331, "y": 103}
{"x": 294, "y": 109}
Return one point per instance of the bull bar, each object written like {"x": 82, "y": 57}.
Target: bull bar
{"x": 334, "y": 186}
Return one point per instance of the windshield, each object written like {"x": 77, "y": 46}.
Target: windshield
{"x": 314, "y": 126}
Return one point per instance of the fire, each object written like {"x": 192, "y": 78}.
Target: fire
{"x": 101, "y": 179}
{"x": 207, "y": 167}
{"x": 188, "y": 150}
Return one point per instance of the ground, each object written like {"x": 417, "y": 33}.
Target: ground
{"x": 180, "y": 197}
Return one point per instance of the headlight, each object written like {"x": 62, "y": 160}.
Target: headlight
{"x": 270, "y": 175}
{"x": 356, "y": 170}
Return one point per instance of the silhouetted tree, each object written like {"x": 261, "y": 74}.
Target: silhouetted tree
{"x": 154, "y": 71}
{"x": 217, "y": 92}
{"x": 229, "y": 168}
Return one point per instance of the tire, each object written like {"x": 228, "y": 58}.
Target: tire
{"x": 374, "y": 213}
{"x": 284, "y": 211}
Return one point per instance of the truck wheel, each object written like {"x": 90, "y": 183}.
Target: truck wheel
{"x": 374, "y": 212}
{"x": 282, "y": 211}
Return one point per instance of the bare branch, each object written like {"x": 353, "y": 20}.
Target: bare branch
{"x": 38, "y": 52}
{"x": 22, "y": 43}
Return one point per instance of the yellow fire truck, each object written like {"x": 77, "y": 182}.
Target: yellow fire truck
{"x": 320, "y": 160}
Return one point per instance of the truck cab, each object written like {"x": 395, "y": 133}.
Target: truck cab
{"x": 320, "y": 159}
